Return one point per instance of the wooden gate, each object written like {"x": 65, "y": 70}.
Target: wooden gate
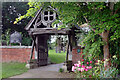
{"x": 42, "y": 50}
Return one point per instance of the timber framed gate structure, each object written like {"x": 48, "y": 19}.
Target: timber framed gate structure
{"x": 40, "y": 29}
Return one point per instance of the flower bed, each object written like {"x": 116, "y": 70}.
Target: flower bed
{"x": 95, "y": 68}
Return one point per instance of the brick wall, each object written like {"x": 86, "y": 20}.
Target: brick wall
{"x": 75, "y": 55}
{"x": 15, "y": 53}
{"x": 22, "y": 53}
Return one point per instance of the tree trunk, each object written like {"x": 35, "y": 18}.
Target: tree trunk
{"x": 105, "y": 37}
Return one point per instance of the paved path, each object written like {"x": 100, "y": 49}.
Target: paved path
{"x": 50, "y": 71}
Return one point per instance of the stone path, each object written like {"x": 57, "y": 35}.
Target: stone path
{"x": 50, "y": 71}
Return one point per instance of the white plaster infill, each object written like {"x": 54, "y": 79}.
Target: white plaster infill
{"x": 15, "y": 46}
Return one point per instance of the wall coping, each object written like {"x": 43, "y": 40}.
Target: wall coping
{"x": 15, "y": 46}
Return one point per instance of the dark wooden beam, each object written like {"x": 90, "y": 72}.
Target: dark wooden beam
{"x": 31, "y": 55}
{"x": 70, "y": 42}
{"x": 32, "y": 20}
{"x": 74, "y": 41}
{"x": 37, "y": 49}
{"x": 67, "y": 52}
{"x": 50, "y": 31}
{"x": 36, "y": 22}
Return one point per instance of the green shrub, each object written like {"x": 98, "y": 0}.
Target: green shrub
{"x": 61, "y": 70}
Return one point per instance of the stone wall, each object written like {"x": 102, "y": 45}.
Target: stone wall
{"x": 15, "y": 53}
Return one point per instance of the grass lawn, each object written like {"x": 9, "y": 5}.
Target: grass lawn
{"x": 56, "y": 57}
{"x": 12, "y": 68}
{"x": 15, "y": 68}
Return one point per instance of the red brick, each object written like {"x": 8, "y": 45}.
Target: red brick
{"x": 76, "y": 56}
{"x": 15, "y": 54}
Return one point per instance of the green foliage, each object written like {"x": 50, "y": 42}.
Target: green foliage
{"x": 10, "y": 11}
{"x": 51, "y": 46}
{"x": 33, "y": 7}
{"x": 6, "y": 37}
{"x": 61, "y": 70}
{"x": 108, "y": 73}
{"x": 99, "y": 15}
{"x": 92, "y": 43}
{"x": 105, "y": 72}
{"x": 26, "y": 41}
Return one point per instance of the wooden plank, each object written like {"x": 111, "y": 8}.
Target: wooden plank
{"x": 36, "y": 22}
{"x": 31, "y": 55}
{"x": 50, "y": 31}
{"x": 33, "y": 19}
{"x": 32, "y": 29}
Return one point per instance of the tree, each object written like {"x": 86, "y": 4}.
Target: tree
{"x": 104, "y": 21}
{"x": 103, "y": 18}
{"x": 10, "y": 11}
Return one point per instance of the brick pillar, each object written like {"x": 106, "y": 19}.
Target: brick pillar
{"x": 76, "y": 54}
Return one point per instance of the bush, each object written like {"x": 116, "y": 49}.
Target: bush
{"x": 26, "y": 41}
{"x": 61, "y": 70}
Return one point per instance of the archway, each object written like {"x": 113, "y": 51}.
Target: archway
{"x": 40, "y": 29}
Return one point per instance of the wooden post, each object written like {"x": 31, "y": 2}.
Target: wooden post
{"x": 37, "y": 49}
{"x": 70, "y": 42}
{"x": 31, "y": 55}
{"x": 67, "y": 51}
{"x": 34, "y": 43}
{"x": 73, "y": 38}
{"x": 35, "y": 46}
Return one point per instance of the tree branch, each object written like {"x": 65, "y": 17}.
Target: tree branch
{"x": 111, "y": 7}
{"x": 90, "y": 25}
{"x": 116, "y": 11}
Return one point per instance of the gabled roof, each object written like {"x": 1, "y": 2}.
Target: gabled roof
{"x": 38, "y": 14}
{"x": 33, "y": 19}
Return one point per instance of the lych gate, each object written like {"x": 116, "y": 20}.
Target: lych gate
{"x": 40, "y": 29}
